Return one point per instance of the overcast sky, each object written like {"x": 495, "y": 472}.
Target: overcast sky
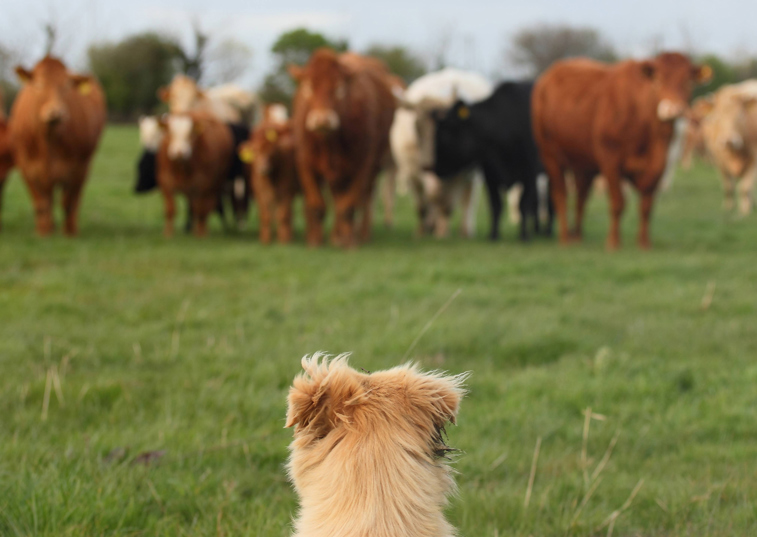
{"x": 477, "y": 30}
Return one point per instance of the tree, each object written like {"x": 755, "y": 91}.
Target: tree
{"x": 132, "y": 70}
{"x": 226, "y": 62}
{"x": 401, "y": 61}
{"x": 538, "y": 47}
{"x": 293, "y": 47}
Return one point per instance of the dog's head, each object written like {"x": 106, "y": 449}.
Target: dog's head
{"x": 330, "y": 399}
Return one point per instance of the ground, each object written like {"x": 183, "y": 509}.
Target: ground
{"x": 144, "y": 380}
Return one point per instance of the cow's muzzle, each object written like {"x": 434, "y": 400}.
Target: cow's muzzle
{"x": 322, "y": 121}
{"x": 669, "y": 110}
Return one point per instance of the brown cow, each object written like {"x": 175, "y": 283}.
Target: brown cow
{"x": 6, "y": 156}
{"x": 270, "y": 154}
{"x": 193, "y": 159}
{"x": 617, "y": 120}
{"x": 343, "y": 111}
{"x": 55, "y": 125}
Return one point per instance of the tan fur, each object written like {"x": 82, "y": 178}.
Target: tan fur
{"x": 368, "y": 455}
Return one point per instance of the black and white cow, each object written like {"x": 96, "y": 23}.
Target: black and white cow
{"x": 494, "y": 134}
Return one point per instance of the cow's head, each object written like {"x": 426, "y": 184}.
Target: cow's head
{"x": 52, "y": 85}
{"x": 182, "y": 95}
{"x": 455, "y": 147}
{"x": 270, "y": 141}
{"x": 323, "y": 87}
{"x": 181, "y": 131}
{"x": 673, "y": 76}
{"x": 426, "y": 113}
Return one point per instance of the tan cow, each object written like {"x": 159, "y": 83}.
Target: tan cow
{"x": 730, "y": 134}
{"x": 228, "y": 102}
{"x": 193, "y": 160}
{"x": 55, "y": 126}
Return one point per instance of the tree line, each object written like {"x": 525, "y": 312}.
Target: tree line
{"x": 132, "y": 69}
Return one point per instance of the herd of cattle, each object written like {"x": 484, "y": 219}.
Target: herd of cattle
{"x": 352, "y": 120}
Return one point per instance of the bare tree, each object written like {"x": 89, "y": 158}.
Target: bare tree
{"x": 226, "y": 62}
{"x": 538, "y": 47}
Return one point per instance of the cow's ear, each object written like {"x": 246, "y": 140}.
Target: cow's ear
{"x": 648, "y": 69}
{"x": 24, "y": 75}
{"x": 295, "y": 71}
{"x": 702, "y": 73}
{"x": 82, "y": 83}
{"x": 164, "y": 94}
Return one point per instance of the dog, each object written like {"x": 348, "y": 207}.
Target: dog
{"x": 369, "y": 456}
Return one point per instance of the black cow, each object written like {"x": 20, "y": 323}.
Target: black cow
{"x": 236, "y": 189}
{"x": 494, "y": 134}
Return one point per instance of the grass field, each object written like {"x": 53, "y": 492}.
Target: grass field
{"x": 189, "y": 346}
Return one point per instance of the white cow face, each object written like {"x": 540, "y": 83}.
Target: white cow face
{"x": 181, "y": 130}
{"x": 150, "y": 133}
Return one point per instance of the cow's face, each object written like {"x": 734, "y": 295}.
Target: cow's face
{"x": 455, "y": 146}
{"x": 182, "y": 95}
{"x": 323, "y": 88}
{"x": 52, "y": 85}
{"x": 270, "y": 141}
{"x": 182, "y": 131}
{"x": 674, "y": 77}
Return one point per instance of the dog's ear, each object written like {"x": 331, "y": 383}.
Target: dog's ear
{"x": 323, "y": 395}
{"x": 440, "y": 395}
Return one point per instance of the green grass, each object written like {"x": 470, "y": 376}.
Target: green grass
{"x": 189, "y": 346}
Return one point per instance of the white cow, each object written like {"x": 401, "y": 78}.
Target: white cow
{"x": 412, "y": 139}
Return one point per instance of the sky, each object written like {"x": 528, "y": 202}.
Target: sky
{"x": 477, "y": 32}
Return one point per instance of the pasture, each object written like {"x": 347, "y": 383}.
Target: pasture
{"x": 121, "y": 343}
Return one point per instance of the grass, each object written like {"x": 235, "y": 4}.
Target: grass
{"x": 188, "y": 347}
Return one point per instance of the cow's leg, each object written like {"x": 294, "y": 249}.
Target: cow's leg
{"x": 729, "y": 191}
{"x": 42, "y": 198}
{"x": 169, "y": 211}
{"x": 2, "y": 187}
{"x": 469, "y": 200}
{"x": 388, "y": 190}
{"x": 583, "y": 189}
{"x": 202, "y": 206}
{"x": 315, "y": 206}
{"x": 71, "y": 199}
{"x": 645, "y": 210}
{"x": 746, "y": 188}
{"x": 617, "y": 204}
{"x": 264, "y": 192}
{"x": 528, "y": 207}
{"x": 495, "y": 201}
{"x": 284, "y": 217}
{"x": 558, "y": 190}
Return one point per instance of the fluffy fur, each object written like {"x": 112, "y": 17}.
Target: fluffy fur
{"x": 368, "y": 456}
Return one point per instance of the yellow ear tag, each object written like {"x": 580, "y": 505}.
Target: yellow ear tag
{"x": 85, "y": 88}
{"x": 464, "y": 112}
{"x": 271, "y": 135}
{"x": 247, "y": 155}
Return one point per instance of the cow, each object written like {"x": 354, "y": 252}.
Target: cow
{"x": 343, "y": 110}
{"x": 694, "y": 144}
{"x": 494, "y": 134}
{"x": 730, "y": 134}
{"x": 55, "y": 126}
{"x": 270, "y": 154}
{"x": 193, "y": 159}
{"x": 412, "y": 139}
{"x": 6, "y": 155}
{"x": 617, "y": 120}
{"x": 230, "y": 104}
